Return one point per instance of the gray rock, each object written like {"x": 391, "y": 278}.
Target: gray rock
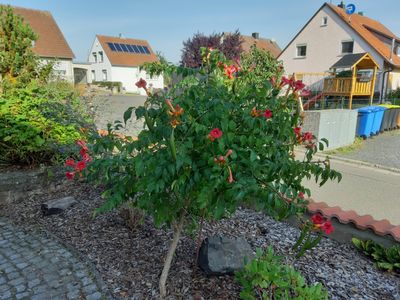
{"x": 57, "y": 206}
{"x": 220, "y": 255}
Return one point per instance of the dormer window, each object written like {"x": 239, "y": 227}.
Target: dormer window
{"x": 324, "y": 21}
{"x": 94, "y": 57}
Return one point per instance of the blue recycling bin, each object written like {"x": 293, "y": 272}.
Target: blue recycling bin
{"x": 378, "y": 117}
{"x": 365, "y": 121}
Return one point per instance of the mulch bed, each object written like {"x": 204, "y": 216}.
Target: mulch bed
{"x": 130, "y": 260}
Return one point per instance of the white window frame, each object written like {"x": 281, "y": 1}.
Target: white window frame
{"x": 341, "y": 47}
{"x": 297, "y": 50}
{"x": 101, "y": 56}
{"x": 105, "y": 75}
{"x": 94, "y": 56}
{"x": 324, "y": 21}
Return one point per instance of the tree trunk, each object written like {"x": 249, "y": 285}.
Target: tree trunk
{"x": 170, "y": 256}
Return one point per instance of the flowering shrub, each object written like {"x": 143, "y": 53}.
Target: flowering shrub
{"x": 213, "y": 142}
{"x": 318, "y": 224}
{"x": 265, "y": 277}
{"x": 80, "y": 165}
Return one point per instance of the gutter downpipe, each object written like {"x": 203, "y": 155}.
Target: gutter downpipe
{"x": 387, "y": 71}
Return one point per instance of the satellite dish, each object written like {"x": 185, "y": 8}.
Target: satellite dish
{"x": 350, "y": 9}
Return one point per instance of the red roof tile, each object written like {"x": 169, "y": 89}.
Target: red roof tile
{"x": 365, "y": 26}
{"x": 379, "y": 227}
{"x": 51, "y": 41}
{"x": 126, "y": 59}
{"x": 265, "y": 44}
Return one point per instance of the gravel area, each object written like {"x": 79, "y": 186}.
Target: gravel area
{"x": 130, "y": 261}
{"x": 382, "y": 149}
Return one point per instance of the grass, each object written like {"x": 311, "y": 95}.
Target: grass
{"x": 358, "y": 143}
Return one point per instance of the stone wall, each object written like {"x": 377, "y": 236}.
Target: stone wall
{"x": 14, "y": 185}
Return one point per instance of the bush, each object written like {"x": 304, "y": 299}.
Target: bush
{"x": 265, "y": 277}
{"x": 109, "y": 84}
{"x": 212, "y": 143}
{"x": 40, "y": 123}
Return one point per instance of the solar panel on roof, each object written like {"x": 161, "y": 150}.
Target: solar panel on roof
{"x": 141, "y": 49}
{"x": 146, "y": 50}
{"x": 130, "y": 48}
{"x": 118, "y": 47}
{"x": 135, "y": 48}
{"x": 111, "y": 45}
{"x": 123, "y": 46}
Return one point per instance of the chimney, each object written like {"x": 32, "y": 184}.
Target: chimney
{"x": 341, "y": 5}
{"x": 255, "y": 35}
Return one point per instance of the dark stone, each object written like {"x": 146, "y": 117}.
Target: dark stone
{"x": 57, "y": 206}
{"x": 220, "y": 255}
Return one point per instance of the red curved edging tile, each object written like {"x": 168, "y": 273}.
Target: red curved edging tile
{"x": 379, "y": 227}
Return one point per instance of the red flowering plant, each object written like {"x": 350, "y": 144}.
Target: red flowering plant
{"x": 79, "y": 165}
{"x": 212, "y": 143}
{"x": 312, "y": 232}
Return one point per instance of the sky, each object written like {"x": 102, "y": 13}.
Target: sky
{"x": 165, "y": 24}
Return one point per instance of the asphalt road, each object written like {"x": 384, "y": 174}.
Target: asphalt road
{"x": 363, "y": 189}
{"x": 109, "y": 108}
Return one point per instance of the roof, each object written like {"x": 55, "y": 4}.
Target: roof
{"x": 265, "y": 44}
{"x": 51, "y": 41}
{"x": 126, "y": 59}
{"x": 348, "y": 60}
{"x": 365, "y": 28}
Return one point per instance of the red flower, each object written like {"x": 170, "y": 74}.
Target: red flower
{"x": 297, "y": 130}
{"x": 70, "y": 175}
{"x": 305, "y": 93}
{"x": 82, "y": 144}
{"x": 230, "y": 177}
{"x": 267, "y": 114}
{"x": 298, "y": 85}
{"x": 308, "y": 136}
{"x": 286, "y": 81}
{"x": 70, "y": 163}
{"x": 301, "y": 195}
{"x": 86, "y": 157}
{"x": 216, "y": 133}
{"x": 80, "y": 166}
{"x": 317, "y": 219}
{"x": 229, "y": 71}
{"x": 141, "y": 83}
{"x": 327, "y": 227}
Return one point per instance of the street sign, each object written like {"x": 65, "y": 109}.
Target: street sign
{"x": 350, "y": 9}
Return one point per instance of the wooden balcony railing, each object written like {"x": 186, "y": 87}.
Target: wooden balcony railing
{"x": 343, "y": 86}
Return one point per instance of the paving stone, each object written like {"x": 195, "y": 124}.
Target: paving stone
{"x": 33, "y": 266}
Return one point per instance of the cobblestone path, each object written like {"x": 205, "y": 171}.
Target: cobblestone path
{"x": 33, "y": 266}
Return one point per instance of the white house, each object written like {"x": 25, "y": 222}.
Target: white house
{"x": 51, "y": 44}
{"x": 119, "y": 59}
{"x": 332, "y": 33}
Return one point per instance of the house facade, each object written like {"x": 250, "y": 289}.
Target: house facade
{"x": 119, "y": 60}
{"x": 330, "y": 34}
{"x": 51, "y": 44}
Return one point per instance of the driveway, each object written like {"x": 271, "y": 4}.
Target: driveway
{"x": 109, "y": 108}
{"x": 383, "y": 149}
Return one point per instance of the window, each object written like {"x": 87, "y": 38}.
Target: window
{"x": 301, "y": 51}
{"x": 93, "y": 75}
{"x": 324, "y": 21}
{"x": 101, "y": 57}
{"x": 104, "y": 75}
{"x": 94, "y": 57}
{"x": 347, "y": 47}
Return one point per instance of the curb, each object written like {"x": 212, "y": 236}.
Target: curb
{"x": 352, "y": 161}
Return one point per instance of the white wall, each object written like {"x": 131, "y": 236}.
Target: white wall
{"x": 63, "y": 68}
{"x": 98, "y": 66}
{"x": 324, "y": 45}
{"x": 130, "y": 75}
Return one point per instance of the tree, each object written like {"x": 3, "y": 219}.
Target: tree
{"x": 213, "y": 142}
{"x": 18, "y": 62}
{"x": 228, "y": 44}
